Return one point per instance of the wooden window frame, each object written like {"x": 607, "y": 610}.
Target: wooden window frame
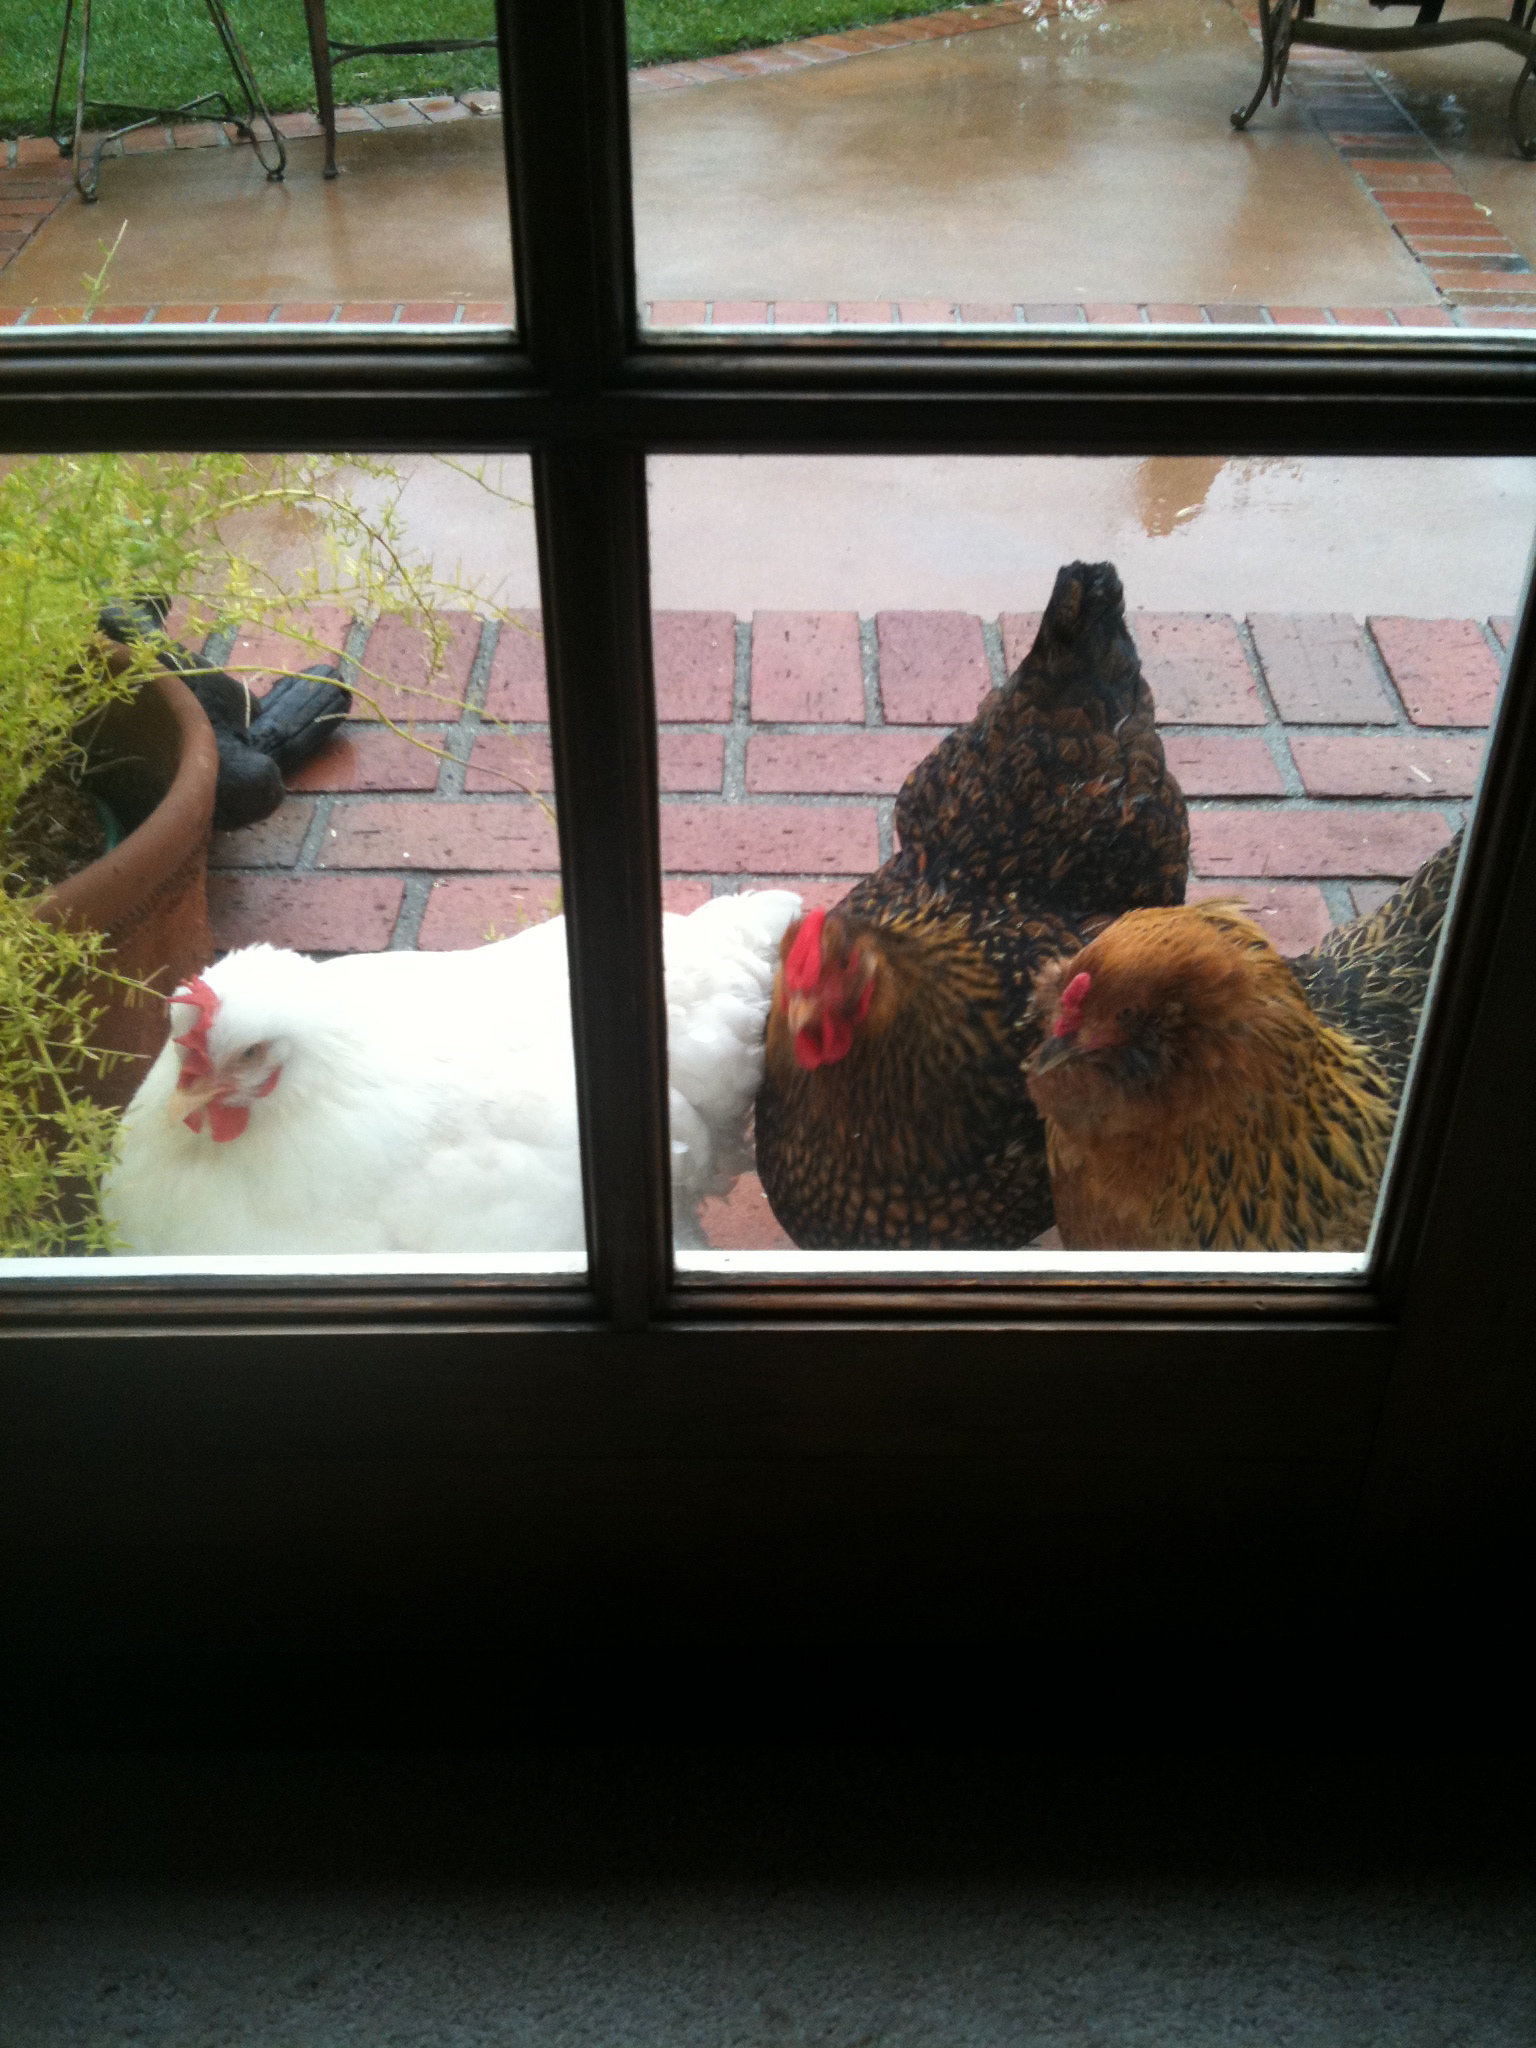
{"x": 1306, "y": 1432}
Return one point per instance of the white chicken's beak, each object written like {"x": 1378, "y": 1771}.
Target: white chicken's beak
{"x": 193, "y": 1095}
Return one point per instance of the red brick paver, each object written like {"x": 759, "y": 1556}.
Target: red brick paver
{"x": 1211, "y": 764}
{"x": 473, "y": 912}
{"x": 1337, "y": 841}
{"x": 1340, "y": 765}
{"x": 396, "y": 669}
{"x": 807, "y": 666}
{"x": 516, "y": 688}
{"x": 1444, "y": 669}
{"x": 275, "y": 843}
{"x": 841, "y": 763}
{"x": 312, "y": 913}
{"x": 1197, "y": 670}
{"x": 512, "y": 833}
{"x": 364, "y": 757}
{"x": 933, "y": 666}
{"x": 769, "y": 839}
{"x": 1319, "y": 669}
{"x": 694, "y": 657}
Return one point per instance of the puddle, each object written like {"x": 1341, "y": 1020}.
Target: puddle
{"x": 1171, "y": 490}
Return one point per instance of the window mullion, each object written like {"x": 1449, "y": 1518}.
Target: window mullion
{"x": 567, "y": 99}
{"x": 592, "y": 538}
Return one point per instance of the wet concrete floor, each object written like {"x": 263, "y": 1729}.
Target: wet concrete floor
{"x": 1084, "y": 157}
{"x": 416, "y": 214}
{"x": 1443, "y": 538}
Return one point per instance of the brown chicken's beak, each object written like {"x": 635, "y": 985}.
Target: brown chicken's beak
{"x": 1055, "y": 1053}
{"x": 800, "y": 1012}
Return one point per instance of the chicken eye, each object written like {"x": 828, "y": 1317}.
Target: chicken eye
{"x": 258, "y": 1051}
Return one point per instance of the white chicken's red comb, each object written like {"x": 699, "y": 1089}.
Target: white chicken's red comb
{"x": 193, "y": 1044}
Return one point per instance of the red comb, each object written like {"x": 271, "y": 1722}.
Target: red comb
{"x": 193, "y": 1044}
{"x": 1073, "y": 997}
{"x": 802, "y": 969}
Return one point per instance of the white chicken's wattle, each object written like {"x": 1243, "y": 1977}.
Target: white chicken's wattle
{"x": 424, "y": 1101}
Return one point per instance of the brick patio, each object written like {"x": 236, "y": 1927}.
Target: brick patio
{"x": 1323, "y": 761}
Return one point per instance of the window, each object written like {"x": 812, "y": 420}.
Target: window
{"x": 1256, "y": 1422}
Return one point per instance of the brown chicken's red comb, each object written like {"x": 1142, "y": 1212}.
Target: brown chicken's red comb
{"x": 1073, "y": 997}
{"x": 802, "y": 969}
{"x": 193, "y": 1045}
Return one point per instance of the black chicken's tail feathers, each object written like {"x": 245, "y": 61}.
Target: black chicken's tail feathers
{"x": 1083, "y": 656}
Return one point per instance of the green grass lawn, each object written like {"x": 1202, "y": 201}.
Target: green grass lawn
{"x": 140, "y": 48}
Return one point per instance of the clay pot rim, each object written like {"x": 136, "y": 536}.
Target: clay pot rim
{"x": 109, "y": 890}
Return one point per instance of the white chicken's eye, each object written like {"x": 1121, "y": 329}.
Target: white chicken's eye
{"x": 258, "y": 1051}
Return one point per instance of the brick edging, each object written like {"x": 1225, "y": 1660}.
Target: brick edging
{"x": 783, "y": 316}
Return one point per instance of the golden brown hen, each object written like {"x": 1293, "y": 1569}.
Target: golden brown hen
{"x": 893, "y": 1110}
{"x": 1196, "y": 1099}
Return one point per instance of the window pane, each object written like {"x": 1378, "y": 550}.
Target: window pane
{"x": 371, "y": 1062}
{"x": 1041, "y": 162}
{"x": 194, "y": 224}
{"x": 1112, "y": 871}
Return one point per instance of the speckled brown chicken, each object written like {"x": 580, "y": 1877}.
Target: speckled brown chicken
{"x": 1203, "y": 1094}
{"x": 894, "y": 1111}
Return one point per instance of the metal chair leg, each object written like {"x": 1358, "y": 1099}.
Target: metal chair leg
{"x": 240, "y": 64}
{"x": 320, "y": 64}
{"x": 88, "y": 180}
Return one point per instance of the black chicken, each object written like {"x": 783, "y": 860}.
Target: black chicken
{"x": 893, "y": 1110}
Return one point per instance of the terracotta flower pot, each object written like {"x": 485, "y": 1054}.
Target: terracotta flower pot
{"x": 158, "y": 763}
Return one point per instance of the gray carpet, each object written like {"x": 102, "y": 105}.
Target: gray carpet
{"x": 854, "y": 1902}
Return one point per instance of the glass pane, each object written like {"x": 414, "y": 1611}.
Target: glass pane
{"x": 1061, "y": 762}
{"x": 365, "y": 1058}
{"x": 805, "y": 163}
{"x": 204, "y": 156}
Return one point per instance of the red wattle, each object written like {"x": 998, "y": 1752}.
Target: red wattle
{"x": 226, "y": 1120}
{"x": 808, "y": 1049}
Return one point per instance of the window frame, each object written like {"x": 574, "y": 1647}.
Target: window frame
{"x": 1393, "y": 1405}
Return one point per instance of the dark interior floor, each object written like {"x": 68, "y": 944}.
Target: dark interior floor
{"x": 548, "y": 1894}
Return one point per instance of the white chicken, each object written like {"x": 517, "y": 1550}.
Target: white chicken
{"x": 424, "y": 1101}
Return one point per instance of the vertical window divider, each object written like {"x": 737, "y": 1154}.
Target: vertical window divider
{"x": 566, "y": 93}
{"x": 591, "y": 519}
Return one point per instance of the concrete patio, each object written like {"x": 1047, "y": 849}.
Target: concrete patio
{"x": 1023, "y": 162}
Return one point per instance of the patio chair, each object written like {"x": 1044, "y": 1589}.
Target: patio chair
{"x": 87, "y": 184}
{"x": 325, "y": 55}
{"x": 1284, "y": 22}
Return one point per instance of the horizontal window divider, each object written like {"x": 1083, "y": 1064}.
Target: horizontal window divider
{"x": 111, "y": 1308}
{"x": 970, "y": 406}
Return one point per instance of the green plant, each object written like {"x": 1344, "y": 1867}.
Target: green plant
{"x": 76, "y": 531}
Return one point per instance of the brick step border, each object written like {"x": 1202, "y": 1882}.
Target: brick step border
{"x": 762, "y": 317}
{"x": 1323, "y": 761}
